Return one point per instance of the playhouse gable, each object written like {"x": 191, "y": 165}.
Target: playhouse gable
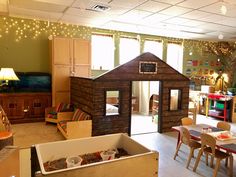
{"x": 144, "y": 67}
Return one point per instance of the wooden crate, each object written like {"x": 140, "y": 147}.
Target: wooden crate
{"x": 142, "y": 162}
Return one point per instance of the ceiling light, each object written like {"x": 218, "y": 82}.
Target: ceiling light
{"x": 221, "y": 36}
{"x": 223, "y": 9}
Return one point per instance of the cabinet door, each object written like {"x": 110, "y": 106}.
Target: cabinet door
{"x": 62, "y": 97}
{"x": 38, "y": 105}
{"x": 13, "y": 107}
{"x": 61, "y": 54}
{"x": 61, "y": 83}
{"x": 81, "y": 57}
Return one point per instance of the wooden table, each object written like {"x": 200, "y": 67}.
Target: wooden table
{"x": 195, "y": 132}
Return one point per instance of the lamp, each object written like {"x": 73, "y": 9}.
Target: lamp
{"x": 7, "y": 74}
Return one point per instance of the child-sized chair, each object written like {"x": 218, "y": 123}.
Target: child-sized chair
{"x": 51, "y": 112}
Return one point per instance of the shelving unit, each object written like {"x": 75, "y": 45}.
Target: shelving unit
{"x": 218, "y": 106}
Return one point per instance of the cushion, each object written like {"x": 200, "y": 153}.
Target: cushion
{"x": 80, "y": 115}
{"x": 64, "y": 107}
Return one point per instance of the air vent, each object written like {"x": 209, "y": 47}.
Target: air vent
{"x": 100, "y": 8}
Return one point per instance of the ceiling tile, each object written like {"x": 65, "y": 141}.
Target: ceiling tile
{"x": 193, "y": 23}
{"x": 228, "y": 22}
{"x": 113, "y": 10}
{"x": 175, "y": 11}
{"x": 196, "y": 4}
{"x": 213, "y": 18}
{"x": 153, "y": 6}
{"x": 133, "y": 16}
{"x": 75, "y": 20}
{"x": 35, "y": 14}
{"x": 152, "y": 19}
{"x": 170, "y": 1}
{"x": 82, "y": 12}
{"x": 216, "y": 8}
{"x": 196, "y": 14}
{"x": 211, "y": 26}
{"x": 34, "y": 5}
{"x": 59, "y": 2}
{"x": 176, "y": 20}
{"x": 127, "y": 3}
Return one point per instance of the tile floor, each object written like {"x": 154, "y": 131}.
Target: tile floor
{"x": 163, "y": 143}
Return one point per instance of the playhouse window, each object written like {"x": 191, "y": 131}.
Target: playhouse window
{"x": 112, "y": 102}
{"x": 175, "y": 99}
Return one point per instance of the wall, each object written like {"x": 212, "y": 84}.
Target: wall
{"x": 24, "y": 44}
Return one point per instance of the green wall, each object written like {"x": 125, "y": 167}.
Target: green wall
{"x": 24, "y": 44}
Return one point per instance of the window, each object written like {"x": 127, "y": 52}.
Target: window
{"x": 175, "y": 56}
{"x": 175, "y": 99}
{"x": 154, "y": 47}
{"x": 102, "y": 52}
{"x": 129, "y": 49}
{"x": 112, "y": 102}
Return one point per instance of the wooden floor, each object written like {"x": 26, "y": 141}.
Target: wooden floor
{"x": 29, "y": 134}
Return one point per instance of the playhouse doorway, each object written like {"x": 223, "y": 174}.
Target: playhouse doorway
{"x": 145, "y": 106}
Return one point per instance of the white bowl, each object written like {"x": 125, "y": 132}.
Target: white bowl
{"x": 108, "y": 155}
{"x": 73, "y": 161}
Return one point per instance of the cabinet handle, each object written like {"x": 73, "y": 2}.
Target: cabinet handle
{"x": 26, "y": 109}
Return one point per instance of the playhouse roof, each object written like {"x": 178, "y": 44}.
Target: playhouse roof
{"x": 145, "y": 67}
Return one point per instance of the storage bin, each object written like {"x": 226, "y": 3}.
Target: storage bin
{"x": 141, "y": 161}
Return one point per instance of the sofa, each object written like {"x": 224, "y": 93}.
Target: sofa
{"x": 77, "y": 124}
{"x": 52, "y": 112}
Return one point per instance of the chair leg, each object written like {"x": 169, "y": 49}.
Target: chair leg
{"x": 216, "y": 167}
{"x": 206, "y": 154}
{"x": 190, "y": 157}
{"x": 198, "y": 159}
{"x": 177, "y": 150}
{"x": 231, "y": 160}
{"x": 212, "y": 161}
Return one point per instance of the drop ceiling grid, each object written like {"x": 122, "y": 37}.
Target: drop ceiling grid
{"x": 148, "y": 14}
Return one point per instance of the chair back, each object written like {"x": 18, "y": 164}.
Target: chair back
{"x": 224, "y": 126}
{"x": 185, "y": 135}
{"x": 208, "y": 141}
{"x": 187, "y": 121}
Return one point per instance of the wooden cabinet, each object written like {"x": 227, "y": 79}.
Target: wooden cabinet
{"x": 25, "y": 107}
{"x": 70, "y": 57}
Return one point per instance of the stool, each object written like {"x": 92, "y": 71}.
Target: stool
{"x": 6, "y": 139}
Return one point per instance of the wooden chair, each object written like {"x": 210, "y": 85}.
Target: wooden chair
{"x": 209, "y": 148}
{"x": 187, "y": 121}
{"x": 185, "y": 138}
{"x": 224, "y": 126}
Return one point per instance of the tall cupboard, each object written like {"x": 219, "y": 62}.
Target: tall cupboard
{"x": 70, "y": 57}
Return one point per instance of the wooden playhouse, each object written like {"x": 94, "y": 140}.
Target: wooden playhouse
{"x": 90, "y": 94}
